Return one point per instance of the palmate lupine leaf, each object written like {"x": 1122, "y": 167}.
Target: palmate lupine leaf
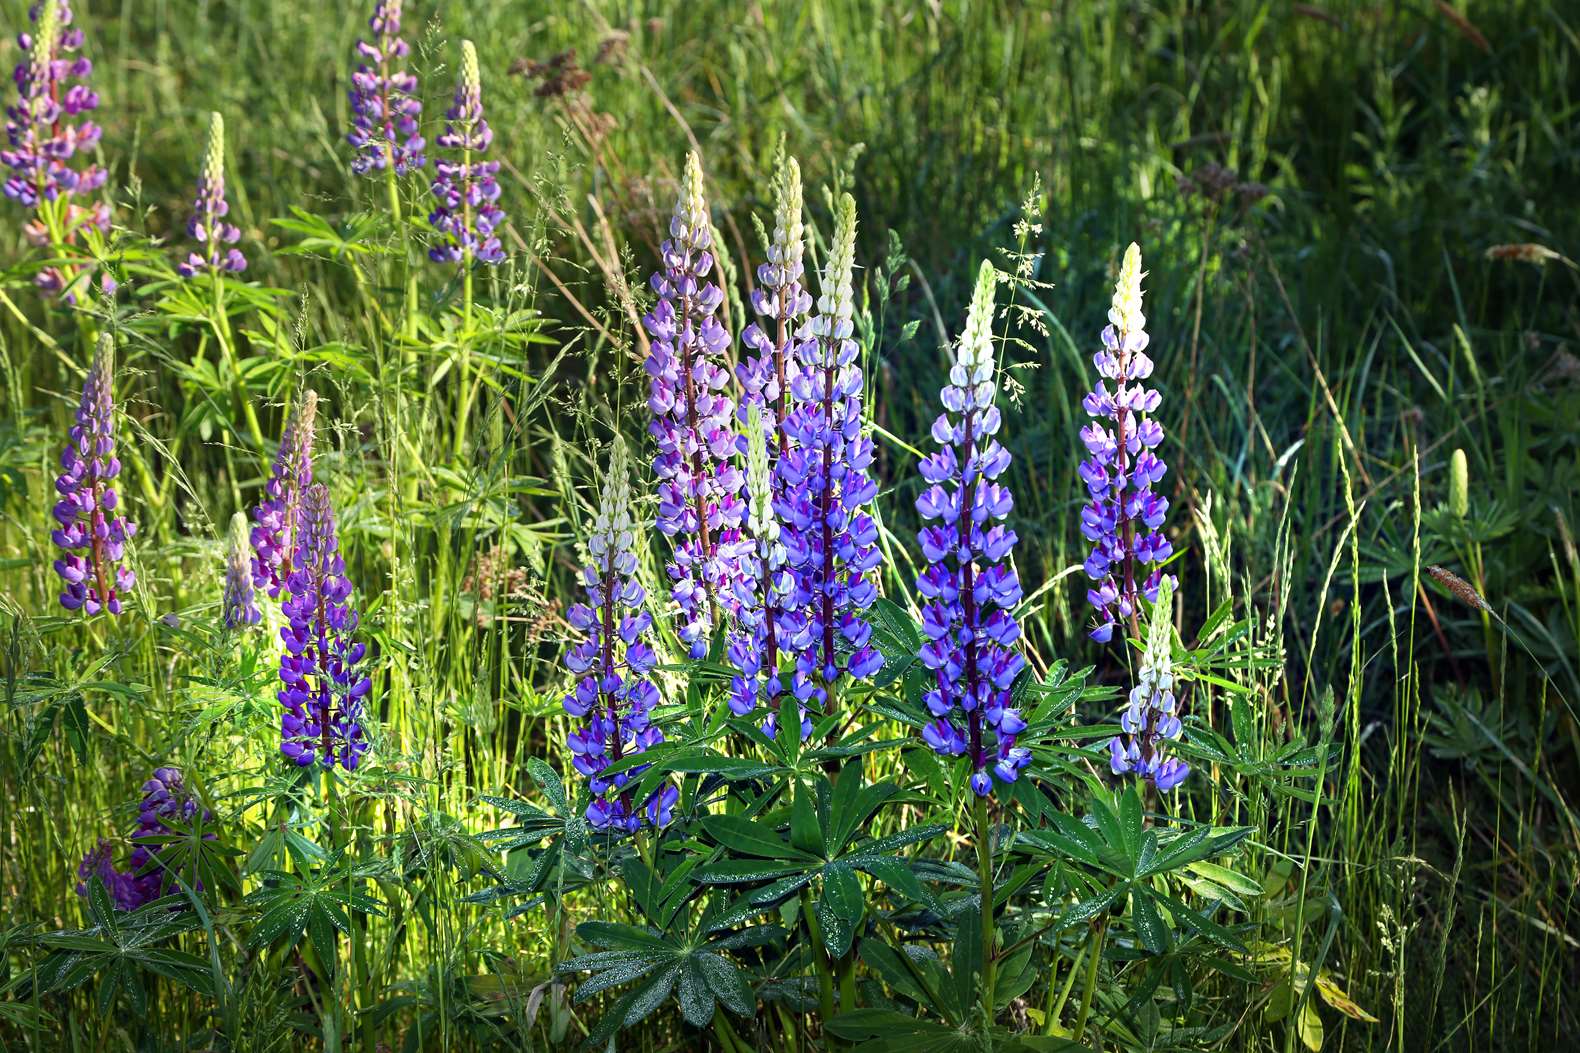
{"x": 543, "y": 849}
{"x": 318, "y": 905}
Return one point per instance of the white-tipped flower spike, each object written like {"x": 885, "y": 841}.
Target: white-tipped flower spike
{"x": 759, "y": 480}
{"x": 788, "y": 248}
{"x": 45, "y": 40}
{"x": 614, "y": 531}
{"x": 837, "y": 303}
{"x": 1125, "y": 313}
{"x": 1152, "y": 717}
{"x": 241, "y": 607}
{"x": 690, "y": 221}
{"x": 216, "y": 237}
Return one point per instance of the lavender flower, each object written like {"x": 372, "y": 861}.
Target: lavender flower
{"x": 92, "y": 537}
{"x": 467, "y": 189}
{"x": 166, "y": 799}
{"x": 699, "y": 504}
{"x": 831, "y": 544}
{"x": 384, "y": 103}
{"x": 276, "y": 516}
{"x": 614, "y": 695}
{"x": 241, "y": 608}
{"x": 1123, "y": 519}
{"x": 207, "y": 225}
{"x": 1151, "y": 719}
{"x": 783, "y": 303}
{"x": 322, "y": 689}
{"x": 969, "y": 587}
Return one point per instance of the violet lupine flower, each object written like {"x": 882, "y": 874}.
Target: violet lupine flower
{"x": 699, "y": 485}
{"x": 783, "y": 303}
{"x": 100, "y": 863}
{"x": 384, "y": 103}
{"x": 766, "y": 617}
{"x": 277, "y": 516}
{"x": 322, "y": 688}
{"x": 241, "y": 607}
{"x": 1124, "y": 518}
{"x": 90, "y": 533}
{"x": 208, "y": 227}
{"x": 969, "y": 587}
{"x": 614, "y": 696}
{"x": 467, "y": 189}
{"x": 166, "y": 799}
{"x": 1152, "y": 719}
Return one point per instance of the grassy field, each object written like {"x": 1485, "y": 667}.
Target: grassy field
{"x": 1358, "y": 229}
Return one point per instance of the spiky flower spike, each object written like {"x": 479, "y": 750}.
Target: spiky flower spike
{"x": 91, "y": 535}
{"x": 467, "y": 215}
{"x": 783, "y": 303}
{"x": 969, "y": 586}
{"x": 767, "y": 616}
{"x": 384, "y": 103}
{"x": 1152, "y": 718}
{"x": 322, "y": 688}
{"x": 830, "y": 542}
{"x": 614, "y": 695}
{"x": 166, "y": 799}
{"x": 277, "y": 516}
{"x": 241, "y": 607}
{"x": 208, "y": 227}
{"x": 1124, "y": 517}
{"x": 699, "y": 486}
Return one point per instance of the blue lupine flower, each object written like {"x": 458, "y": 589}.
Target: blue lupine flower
{"x": 783, "y": 303}
{"x": 467, "y": 216}
{"x": 1151, "y": 719}
{"x": 166, "y": 798}
{"x": 208, "y": 226}
{"x": 278, "y": 515}
{"x": 384, "y": 104}
{"x": 969, "y": 587}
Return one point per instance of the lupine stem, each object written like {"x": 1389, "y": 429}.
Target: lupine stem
{"x": 1094, "y": 951}
{"x": 825, "y": 977}
{"x": 984, "y": 839}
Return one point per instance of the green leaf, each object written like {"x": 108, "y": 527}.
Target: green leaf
{"x": 751, "y": 838}
{"x": 1149, "y": 923}
{"x": 840, "y": 908}
{"x": 728, "y": 984}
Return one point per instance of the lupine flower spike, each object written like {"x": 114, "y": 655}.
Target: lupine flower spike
{"x": 699, "y": 486}
{"x": 90, "y": 533}
{"x": 1151, "y": 719}
{"x": 782, "y": 302}
{"x": 1124, "y": 517}
{"x": 215, "y": 236}
{"x": 322, "y": 687}
{"x": 831, "y": 543}
{"x": 767, "y": 616}
{"x": 384, "y": 104}
{"x": 241, "y": 606}
{"x": 614, "y": 695}
{"x": 277, "y": 516}
{"x": 467, "y": 188}
{"x": 969, "y": 586}
{"x": 166, "y": 799}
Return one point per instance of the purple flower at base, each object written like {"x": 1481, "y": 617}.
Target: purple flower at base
{"x": 207, "y": 226}
{"x": 278, "y": 515}
{"x": 969, "y": 587}
{"x": 830, "y": 542}
{"x": 384, "y": 104}
{"x": 783, "y": 303}
{"x": 322, "y": 688}
{"x": 166, "y": 800}
{"x": 1151, "y": 719}
{"x": 699, "y": 486}
{"x": 614, "y": 694}
{"x": 91, "y": 535}
{"x": 1124, "y": 519}
{"x": 99, "y": 863}
{"x": 241, "y": 607}
{"x": 467, "y": 216}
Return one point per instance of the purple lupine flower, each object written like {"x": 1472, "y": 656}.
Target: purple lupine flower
{"x": 121, "y": 886}
{"x": 969, "y": 586}
{"x": 830, "y": 542}
{"x": 766, "y": 618}
{"x": 384, "y": 103}
{"x": 166, "y": 799}
{"x": 699, "y": 485}
{"x": 783, "y": 303}
{"x": 1151, "y": 719}
{"x": 88, "y": 530}
{"x": 614, "y": 695}
{"x": 277, "y": 516}
{"x": 467, "y": 189}
{"x": 241, "y": 606}
{"x": 322, "y": 688}
{"x": 1125, "y": 515}
{"x": 208, "y": 227}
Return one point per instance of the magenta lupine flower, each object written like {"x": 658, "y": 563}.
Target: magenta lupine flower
{"x": 88, "y": 530}
{"x": 384, "y": 104}
{"x": 830, "y": 542}
{"x": 322, "y": 687}
{"x": 614, "y": 695}
{"x": 699, "y": 485}
{"x": 241, "y": 606}
{"x": 166, "y": 799}
{"x": 783, "y": 303}
{"x": 467, "y": 188}
{"x": 276, "y": 517}
{"x": 1125, "y": 515}
{"x": 1151, "y": 719}
{"x": 969, "y": 586}
{"x": 216, "y": 237}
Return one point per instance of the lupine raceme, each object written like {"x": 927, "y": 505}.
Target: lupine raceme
{"x": 216, "y": 237}
{"x": 614, "y": 694}
{"x": 384, "y": 104}
{"x": 466, "y": 187}
{"x": 240, "y": 602}
{"x": 166, "y": 799}
{"x": 1151, "y": 718}
{"x": 90, "y": 533}
{"x": 782, "y": 302}
{"x": 699, "y": 485}
{"x": 277, "y": 517}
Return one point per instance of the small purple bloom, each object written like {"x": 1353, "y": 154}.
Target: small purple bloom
{"x": 467, "y": 189}
{"x": 166, "y": 800}
{"x": 241, "y": 607}
{"x": 1151, "y": 718}
{"x": 322, "y": 688}
{"x": 88, "y": 530}
{"x": 277, "y": 516}
{"x": 208, "y": 227}
{"x": 783, "y": 303}
{"x": 384, "y": 103}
